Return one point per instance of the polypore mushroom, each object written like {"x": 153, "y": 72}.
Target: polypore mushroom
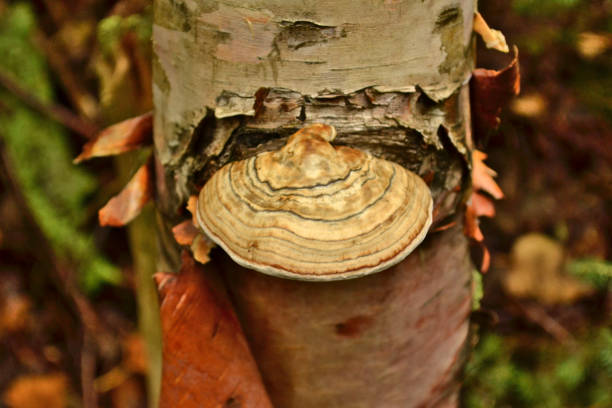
{"x": 313, "y": 211}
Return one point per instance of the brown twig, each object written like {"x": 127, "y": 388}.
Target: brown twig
{"x": 81, "y": 99}
{"x": 55, "y": 112}
{"x": 538, "y": 315}
{"x": 88, "y": 372}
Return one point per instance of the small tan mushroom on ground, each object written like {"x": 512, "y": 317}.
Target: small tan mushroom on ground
{"x": 538, "y": 272}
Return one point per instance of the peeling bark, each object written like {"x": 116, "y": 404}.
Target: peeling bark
{"x": 323, "y": 57}
{"x": 408, "y": 128}
{"x": 343, "y": 46}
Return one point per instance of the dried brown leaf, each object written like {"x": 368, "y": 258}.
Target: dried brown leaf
{"x": 479, "y": 204}
{"x": 207, "y": 361}
{"x": 490, "y": 91}
{"x": 445, "y": 226}
{"x": 482, "y": 176}
{"x": 134, "y": 352}
{"x": 201, "y": 248}
{"x": 471, "y": 225}
{"x": 119, "y": 138}
{"x": 485, "y": 264}
{"x": 35, "y": 391}
{"x": 492, "y": 38}
{"x": 126, "y": 206}
{"x": 192, "y": 205}
{"x": 483, "y": 205}
{"x": 129, "y": 394}
{"x": 185, "y": 232}
{"x": 14, "y": 312}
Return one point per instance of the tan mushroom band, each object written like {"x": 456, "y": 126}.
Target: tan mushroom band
{"x": 312, "y": 211}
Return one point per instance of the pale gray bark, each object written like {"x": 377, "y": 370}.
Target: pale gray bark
{"x": 362, "y": 66}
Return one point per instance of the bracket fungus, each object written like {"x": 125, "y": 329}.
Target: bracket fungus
{"x": 313, "y": 211}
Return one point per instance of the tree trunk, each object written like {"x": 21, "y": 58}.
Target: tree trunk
{"x": 235, "y": 78}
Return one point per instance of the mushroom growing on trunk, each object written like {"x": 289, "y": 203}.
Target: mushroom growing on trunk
{"x": 323, "y": 216}
{"x": 311, "y": 211}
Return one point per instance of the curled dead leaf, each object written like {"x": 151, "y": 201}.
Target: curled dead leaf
{"x": 483, "y": 206}
{"x": 126, "y": 205}
{"x": 185, "y": 232}
{"x": 48, "y": 390}
{"x": 207, "y": 361}
{"x": 486, "y": 259}
{"x": 471, "y": 225}
{"x": 479, "y": 204}
{"x": 492, "y": 38}
{"x": 192, "y": 206}
{"x": 134, "y": 351}
{"x": 14, "y": 312}
{"x": 201, "y": 247}
{"x": 490, "y": 91}
{"x": 128, "y": 394}
{"x": 482, "y": 176}
{"x": 444, "y": 227}
{"x": 119, "y": 138}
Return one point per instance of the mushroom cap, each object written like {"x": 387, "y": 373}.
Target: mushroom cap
{"x": 312, "y": 211}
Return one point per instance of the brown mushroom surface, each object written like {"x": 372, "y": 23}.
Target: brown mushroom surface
{"x": 313, "y": 211}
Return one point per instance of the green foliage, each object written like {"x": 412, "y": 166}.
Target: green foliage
{"x": 477, "y": 290}
{"x": 56, "y": 191}
{"x": 593, "y": 83}
{"x": 506, "y": 373}
{"x": 595, "y": 271}
{"x": 112, "y": 28}
{"x": 543, "y": 7}
{"x": 123, "y": 74}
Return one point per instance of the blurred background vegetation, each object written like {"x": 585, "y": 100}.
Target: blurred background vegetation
{"x": 71, "y": 330}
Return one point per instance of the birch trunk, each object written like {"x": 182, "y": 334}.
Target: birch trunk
{"x": 235, "y": 78}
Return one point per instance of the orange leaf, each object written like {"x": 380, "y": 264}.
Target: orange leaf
{"x": 482, "y": 176}
{"x": 445, "y": 226}
{"x": 483, "y": 206}
{"x": 491, "y": 90}
{"x": 201, "y": 247}
{"x": 207, "y": 361}
{"x": 185, "y": 232}
{"x": 126, "y": 206}
{"x": 479, "y": 204}
{"x": 192, "y": 205}
{"x": 471, "y": 227}
{"x": 486, "y": 260}
{"x": 47, "y": 390}
{"x": 135, "y": 353}
{"x": 119, "y": 138}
